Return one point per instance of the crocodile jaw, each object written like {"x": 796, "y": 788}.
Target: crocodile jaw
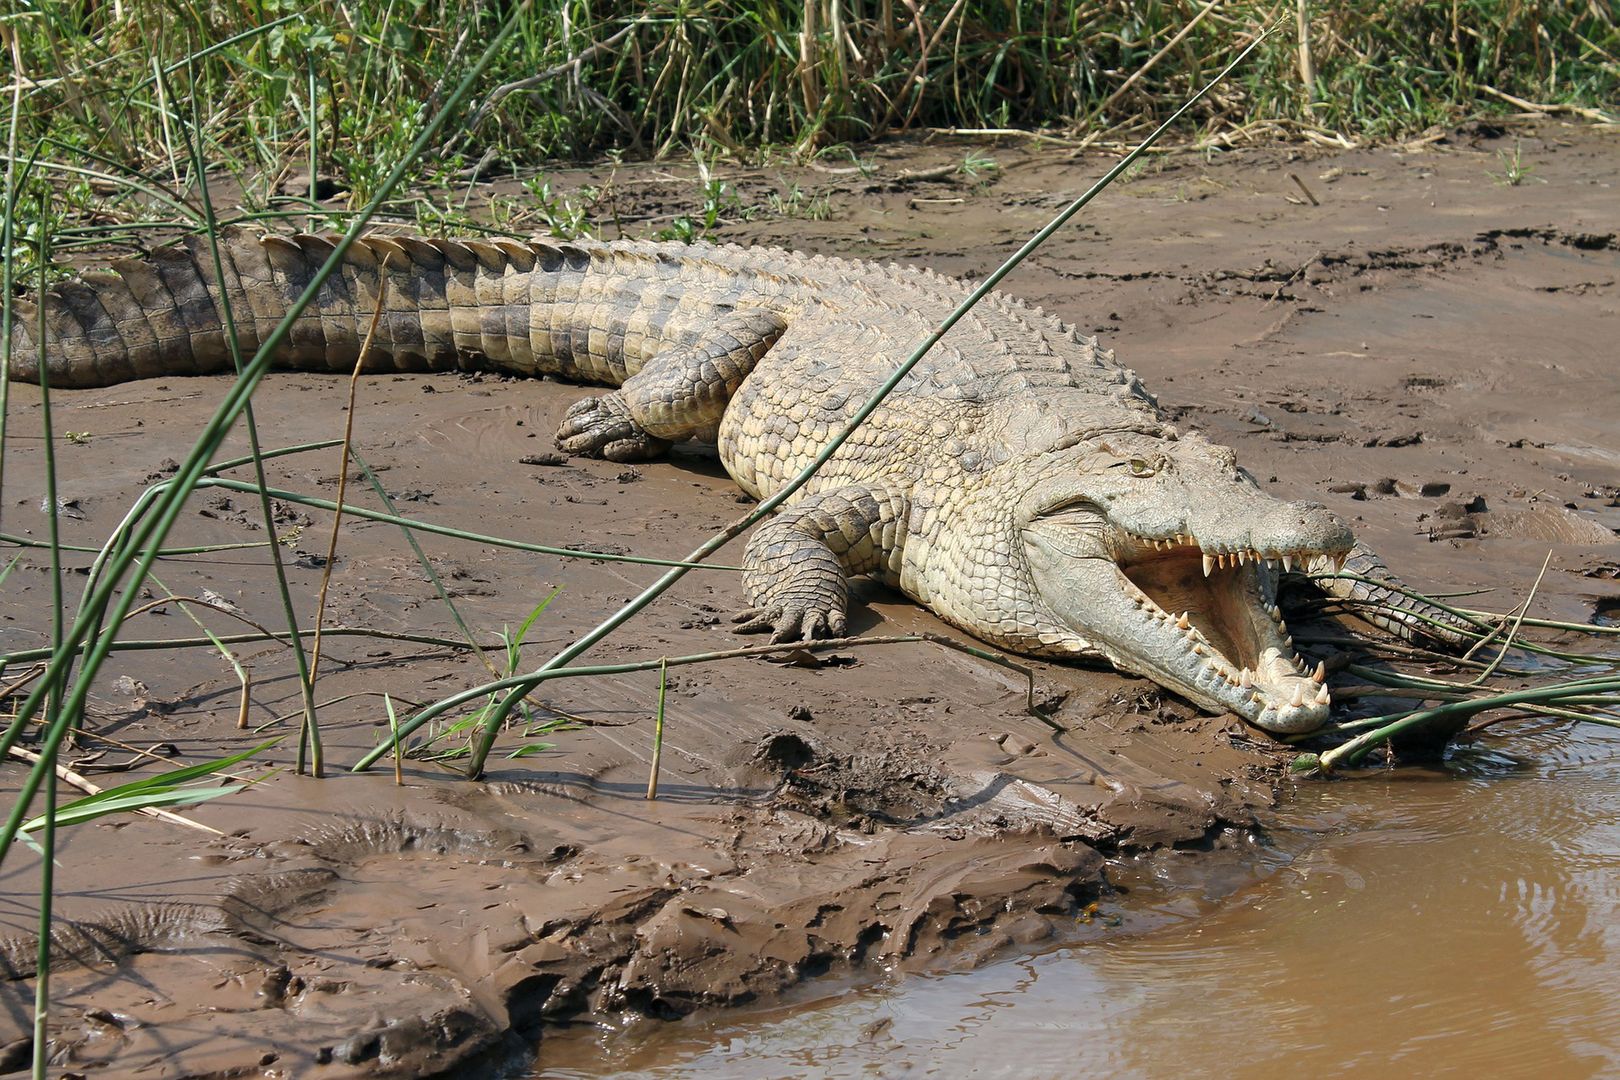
{"x": 1147, "y": 604}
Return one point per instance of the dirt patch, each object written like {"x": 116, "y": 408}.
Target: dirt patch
{"x": 1427, "y": 351}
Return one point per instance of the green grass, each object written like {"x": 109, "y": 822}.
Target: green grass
{"x": 287, "y": 86}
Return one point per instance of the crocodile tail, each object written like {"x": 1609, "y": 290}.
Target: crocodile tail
{"x": 165, "y": 313}
{"x": 1383, "y": 599}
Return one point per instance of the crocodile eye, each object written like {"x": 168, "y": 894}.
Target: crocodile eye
{"x": 1141, "y": 467}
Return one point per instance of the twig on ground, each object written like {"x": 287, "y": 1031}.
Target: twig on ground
{"x": 1597, "y": 115}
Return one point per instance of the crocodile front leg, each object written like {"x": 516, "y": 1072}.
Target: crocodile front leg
{"x": 679, "y": 394}
{"x": 1386, "y": 606}
{"x": 798, "y": 564}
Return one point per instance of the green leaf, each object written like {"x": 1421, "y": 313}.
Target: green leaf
{"x": 180, "y": 776}
{"x": 523, "y": 631}
{"x": 161, "y": 790}
{"x": 94, "y": 806}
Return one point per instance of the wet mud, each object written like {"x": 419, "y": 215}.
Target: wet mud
{"x": 1424, "y": 348}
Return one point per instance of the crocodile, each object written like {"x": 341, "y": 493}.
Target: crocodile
{"x": 1019, "y": 482}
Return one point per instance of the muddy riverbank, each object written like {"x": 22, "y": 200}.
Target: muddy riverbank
{"x": 1397, "y": 332}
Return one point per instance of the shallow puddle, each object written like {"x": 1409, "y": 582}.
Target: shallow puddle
{"x": 1463, "y": 920}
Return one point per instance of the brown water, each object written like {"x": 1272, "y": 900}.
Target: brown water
{"x": 1461, "y": 920}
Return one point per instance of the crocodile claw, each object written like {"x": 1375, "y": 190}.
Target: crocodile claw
{"x": 791, "y": 622}
{"x": 603, "y": 427}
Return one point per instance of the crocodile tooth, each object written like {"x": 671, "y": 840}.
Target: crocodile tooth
{"x": 1320, "y": 674}
{"x": 1184, "y": 622}
{"x": 1298, "y": 698}
{"x": 1241, "y": 556}
{"x": 1339, "y": 560}
{"x": 1209, "y": 564}
{"x": 1288, "y": 564}
{"x": 1245, "y": 680}
{"x": 1322, "y": 696}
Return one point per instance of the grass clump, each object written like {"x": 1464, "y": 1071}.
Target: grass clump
{"x": 309, "y": 99}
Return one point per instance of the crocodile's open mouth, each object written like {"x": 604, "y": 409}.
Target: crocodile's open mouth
{"x": 1229, "y": 647}
{"x": 1195, "y": 616}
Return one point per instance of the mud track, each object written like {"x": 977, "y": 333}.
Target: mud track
{"x": 1428, "y": 351}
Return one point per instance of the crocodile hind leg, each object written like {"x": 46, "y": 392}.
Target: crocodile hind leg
{"x": 679, "y": 394}
{"x": 1379, "y": 599}
{"x": 798, "y": 564}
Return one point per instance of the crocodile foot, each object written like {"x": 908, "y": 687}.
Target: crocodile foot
{"x": 791, "y": 622}
{"x": 603, "y": 427}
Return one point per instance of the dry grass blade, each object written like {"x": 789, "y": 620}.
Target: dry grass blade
{"x": 343, "y": 464}
{"x": 1307, "y": 69}
{"x": 658, "y": 730}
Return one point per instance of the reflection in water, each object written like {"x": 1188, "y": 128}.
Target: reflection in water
{"x": 1458, "y": 922}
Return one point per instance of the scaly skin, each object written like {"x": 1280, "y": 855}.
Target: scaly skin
{"x": 1019, "y": 482}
